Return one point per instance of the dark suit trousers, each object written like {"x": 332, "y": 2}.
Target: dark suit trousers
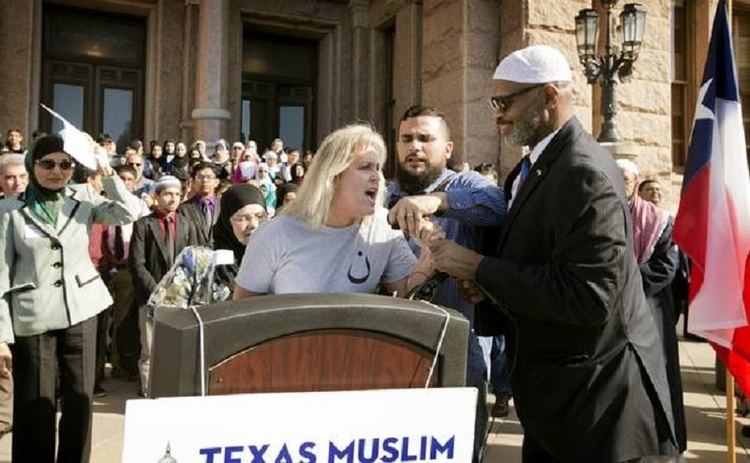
{"x": 35, "y": 361}
{"x": 532, "y": 452}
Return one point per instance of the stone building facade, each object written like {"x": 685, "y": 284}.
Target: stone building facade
{"x": 190, "y": 69}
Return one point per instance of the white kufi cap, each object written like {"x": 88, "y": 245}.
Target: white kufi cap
{"x": 167, "y": 181}
{"x": 627, "y": 165}
{"x": 537, "y": 64}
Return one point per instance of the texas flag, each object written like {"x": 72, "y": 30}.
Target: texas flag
{"x": 713, "y": 221}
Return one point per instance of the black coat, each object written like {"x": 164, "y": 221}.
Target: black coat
{"x": 588, "y": 377}
{"x": 148, "y": 256}
{"x": 657, "y": 274}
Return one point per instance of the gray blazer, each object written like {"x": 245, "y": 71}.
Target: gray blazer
{"x": 47, "y": 280}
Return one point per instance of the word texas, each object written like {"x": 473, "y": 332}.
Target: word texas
{"x": 370, "y": 450}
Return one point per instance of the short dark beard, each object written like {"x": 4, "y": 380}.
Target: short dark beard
{"x": 412, "y": 183}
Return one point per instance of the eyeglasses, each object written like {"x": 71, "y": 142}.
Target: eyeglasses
{"x": 48, "y": 164}
{"x": 240, "y": 219}
{"x": 502, "y": 103}
{"x": 203, "y": 178}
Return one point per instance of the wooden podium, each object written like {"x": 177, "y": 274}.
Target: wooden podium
{"x": 308, "y": 342}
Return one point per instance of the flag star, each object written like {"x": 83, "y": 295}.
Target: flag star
{"x": 702, "y": 111}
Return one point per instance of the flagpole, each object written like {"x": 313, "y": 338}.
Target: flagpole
{"x": 731, "y": 433}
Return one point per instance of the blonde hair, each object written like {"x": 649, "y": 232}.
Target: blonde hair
{"x": 333, "y": 157}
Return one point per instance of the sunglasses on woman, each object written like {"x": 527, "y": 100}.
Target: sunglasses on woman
{"x": 48, "y": 164}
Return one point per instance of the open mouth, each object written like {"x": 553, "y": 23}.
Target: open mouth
{"x": 372, "y": 193}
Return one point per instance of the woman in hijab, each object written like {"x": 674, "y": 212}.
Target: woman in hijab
{"x": 298, "y": 173}
{"x": 168, "y": 157}
{"x": 267, "y": 187}
{"x": 52, "y": 295}
{"x": 181, "y": 163}
{"x": 153, "y": 168}
{"x": 285, "y": 194}
{"x": 243, "y": 210}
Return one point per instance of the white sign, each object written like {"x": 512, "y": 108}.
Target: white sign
{"x": 75, "y": 142}
{"x": 389, "y": 426}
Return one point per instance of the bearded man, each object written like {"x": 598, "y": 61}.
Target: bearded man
{"x": 425, "y": 189}
{"x": 589, "y": 381}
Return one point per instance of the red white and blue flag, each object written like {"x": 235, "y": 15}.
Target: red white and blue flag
{"x": 713, "y": 220}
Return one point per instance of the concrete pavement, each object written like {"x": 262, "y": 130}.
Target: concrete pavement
{"x": 704, "y": 410}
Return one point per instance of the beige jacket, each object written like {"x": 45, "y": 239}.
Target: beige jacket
{"x": 47, "y": 279}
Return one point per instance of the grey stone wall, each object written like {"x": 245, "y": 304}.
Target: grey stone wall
{"x": 168, "y": 108}
{"x": 460, "y": 46}
{"x": 644, "y": 103}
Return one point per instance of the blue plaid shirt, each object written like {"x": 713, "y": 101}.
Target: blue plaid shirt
{"x": 472, "y": 201}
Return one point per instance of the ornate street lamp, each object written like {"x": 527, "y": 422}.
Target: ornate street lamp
{"x": 614, "y": 61}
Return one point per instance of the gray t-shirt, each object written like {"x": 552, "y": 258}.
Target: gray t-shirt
{"x": 286, "y": 256}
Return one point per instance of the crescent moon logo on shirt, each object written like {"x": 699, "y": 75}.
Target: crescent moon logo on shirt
{"x": 357, "y": 268}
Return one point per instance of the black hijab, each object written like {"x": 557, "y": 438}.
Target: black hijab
{"x": 282, "y": 191}
{"x": 234, "y": 199}
{"x": 43, "y": 202}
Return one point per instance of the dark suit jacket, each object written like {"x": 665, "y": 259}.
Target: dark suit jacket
{"x": 148, "y": 256}
{"x": 588, "y": 382}
{"x": 192, "y": 211}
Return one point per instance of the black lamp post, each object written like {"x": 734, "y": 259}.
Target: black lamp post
{"x": 620, "y": 62}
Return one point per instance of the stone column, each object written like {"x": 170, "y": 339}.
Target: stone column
{"x": 360, "y": 56}
{"x": 211, "y": 113}
{"x": 459, "y": 55}
{"x": 407, "y": 57}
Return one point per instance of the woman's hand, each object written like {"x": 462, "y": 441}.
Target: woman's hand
{"x": 150, "y": 200}
{"x": 102, "y": 161}
{"x": 427, "y": 233}
{"x": 101, "y": 156}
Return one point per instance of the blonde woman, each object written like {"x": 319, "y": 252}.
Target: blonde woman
{"x": 335, "y": 236}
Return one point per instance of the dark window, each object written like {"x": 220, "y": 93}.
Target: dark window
{"x": 93, "y": 68}
{"x": 278, "y": 81}
{"x": 681, "y": 81}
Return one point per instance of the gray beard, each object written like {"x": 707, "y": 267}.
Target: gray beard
{"x": 526, "y": 129}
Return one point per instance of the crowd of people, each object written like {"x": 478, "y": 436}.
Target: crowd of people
{"x": 85, "y": 248}
{"x": 562, "y": 273}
